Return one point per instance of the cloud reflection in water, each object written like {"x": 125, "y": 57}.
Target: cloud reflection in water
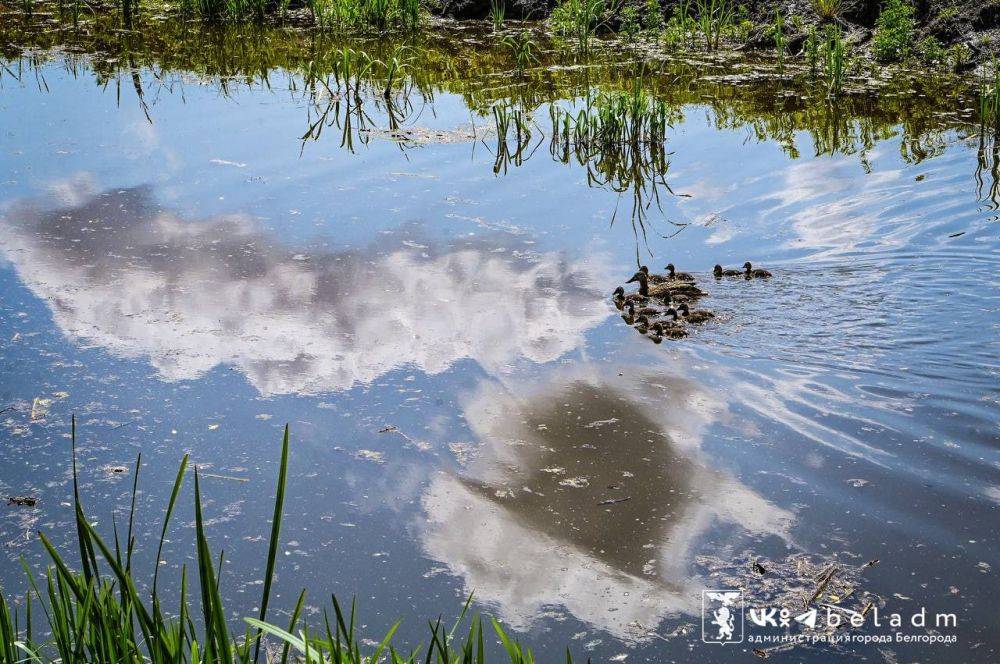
{"x": 140, "y": 281}
{"x": 524, "y": 528}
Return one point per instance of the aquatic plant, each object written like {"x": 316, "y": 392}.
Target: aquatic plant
{"x": 498, "y": 11}
{"x": 99, "y": 614}
{"x": 894, "y": 31}
{"x": 522, "y": 48}
{"x": 680, "y": 27}
{"x": 811, "y": 49}
{"x": 715, "y": 17}
{"x": 578, "y": 19}
{"x": 989, "y": 99}
{"x": 834, "y": 61}
{"x": 779, "y": 38}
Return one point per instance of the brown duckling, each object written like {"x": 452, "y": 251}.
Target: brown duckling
{"x": 668, "y": 330}
{"x": 696, "y": 317}
{"x": 642, "y": 324}
{"x": 677, "y": 276}
{"x": 629, "y": 315}
{"x": 752, "y": 273}
{"x": 718, "y": 272}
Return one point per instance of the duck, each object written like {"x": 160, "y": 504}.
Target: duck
{"x": 649, "y": 311}
{"x": 751, "y": 273}
{"x": 675, "y": 275}
{"x": 696, "y": 317}
{"x": 642, "y": 324}
{"x": 719, "y": 272}
{"x": 654, "y": 278}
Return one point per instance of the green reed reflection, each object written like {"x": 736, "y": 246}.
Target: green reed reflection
{"x": 610, "y": 115}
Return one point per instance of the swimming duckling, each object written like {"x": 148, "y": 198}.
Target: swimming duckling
{"x": 642, "y": 324}
{"x": 648, "y": 311}
{"x": 754, "y": 274}
{"x": 677, "y": 276}
{"x": 668, "y": 330}
{"x": 618, "y": 298}
{"x": 629, "y": 315}
{"x": 696, "y": 317}
{"x": 719, "y": 272}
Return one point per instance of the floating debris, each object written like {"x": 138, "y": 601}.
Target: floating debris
{"x": 614, "y": 501}
{"x": 370, "y": 455}
{"x": 22, "y": 501}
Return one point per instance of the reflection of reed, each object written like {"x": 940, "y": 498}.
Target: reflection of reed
{"x": 615, "y": 135}
{"x": 988, "y": 162}
{"x": 620, "y": 137}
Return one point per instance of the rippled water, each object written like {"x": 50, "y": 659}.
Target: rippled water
{"x": 468, "y": 411}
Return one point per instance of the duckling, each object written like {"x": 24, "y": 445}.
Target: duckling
{"x": 649, "y": 311}
{"x": 671, "y": 329}
{"x": 677, "y": 276}
{"x": 629, "y": 315}
{"x": 696, "y": 317}
{"x": 618, "y": 298}
{"x": 668, "y": 330}
{"x": 718, "y": 272}
{"x": 754, "y": 274}
{"x": 642, "y": 325}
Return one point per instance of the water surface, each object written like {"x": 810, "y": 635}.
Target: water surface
{"x": 187, "y": 266}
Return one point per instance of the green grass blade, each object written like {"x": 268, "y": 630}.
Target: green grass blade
{"x": 272, "y": 550}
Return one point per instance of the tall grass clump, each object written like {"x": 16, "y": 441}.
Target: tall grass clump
{"x": 834, "y": 61}
{"x": 498, "y": 13}
{"x": 715, "y": 17}
{"x": 219, "y": 11}
{"x": 523, "y": 49}
{"x": 377, "y": 15}
{"x": 989, "y": 100}
{"x": 827, "y": 10}
{"x": 97, "y": 611}
{"x": 578, "y": 19}
{"x": 811, "y": 49}
{"x": 780, "y": 43}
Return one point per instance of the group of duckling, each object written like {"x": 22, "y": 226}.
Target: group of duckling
{"x": 661, "y": 308}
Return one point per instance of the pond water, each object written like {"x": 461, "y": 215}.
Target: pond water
{"x": 203, "y": 239}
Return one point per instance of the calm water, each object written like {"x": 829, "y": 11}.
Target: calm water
{"x": 186, "y": 274}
